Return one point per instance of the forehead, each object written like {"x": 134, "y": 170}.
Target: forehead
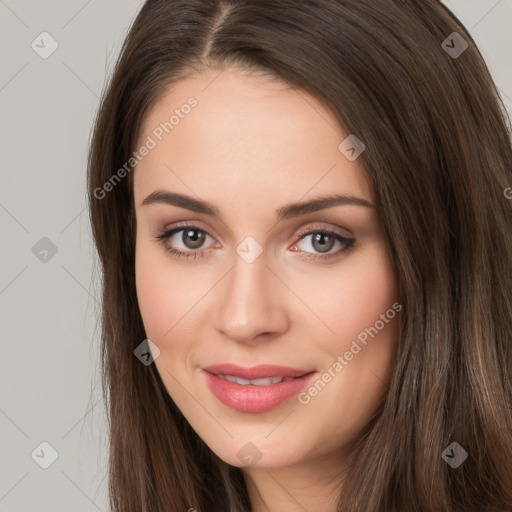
{"x": 251, "y": 133}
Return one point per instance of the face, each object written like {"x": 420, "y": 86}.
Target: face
{"x": 232, "y": 274}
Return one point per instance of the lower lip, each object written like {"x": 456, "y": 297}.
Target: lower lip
{"x": 255, "y": 398}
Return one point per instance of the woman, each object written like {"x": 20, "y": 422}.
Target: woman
{"x": 302, "y": 217}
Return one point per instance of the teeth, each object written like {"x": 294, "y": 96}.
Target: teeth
{"x": 256, "y": 382}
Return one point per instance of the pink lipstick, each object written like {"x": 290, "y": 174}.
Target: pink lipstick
{"x": 255, "y": 389}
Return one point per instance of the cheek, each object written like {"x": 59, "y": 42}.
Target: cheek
{"x": 152, "y": 301}
{"x": 370, "y": 292}
{"x": 169, "y": 295}
{"x": 160, "y": 295}
{"x": 353, "y": 298}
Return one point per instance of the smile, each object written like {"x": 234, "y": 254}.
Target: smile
{"x": 256, "y": 382}
{"x": 260, "y": 393}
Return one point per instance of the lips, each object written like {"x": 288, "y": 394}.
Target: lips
{"x": 262, "y": 371}
{"x": 256, "y": 389}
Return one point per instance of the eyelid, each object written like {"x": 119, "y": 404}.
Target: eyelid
{"x": 324, "y": 228}
{"x": 194, "y": 224}
{"x": 298, "y": 234}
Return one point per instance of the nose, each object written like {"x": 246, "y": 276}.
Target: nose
{"x": 250, "y": 302}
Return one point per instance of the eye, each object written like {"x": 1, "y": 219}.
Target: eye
{"x": 323, "y": 241}
{"x": 192, "y": 238}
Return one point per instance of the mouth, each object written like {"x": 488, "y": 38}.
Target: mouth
{"x": 268, "y": 381}
{"x": 255, "y": 373}
{"x": 256, "y": 389}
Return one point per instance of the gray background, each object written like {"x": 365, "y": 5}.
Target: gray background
{"x": 49, "y": 375}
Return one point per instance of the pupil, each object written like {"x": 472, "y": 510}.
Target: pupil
{"x": 196, "y": 239}
{"x": 324, "y": 246}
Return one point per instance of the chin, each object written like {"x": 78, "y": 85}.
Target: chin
{"x": 249, "y": 456}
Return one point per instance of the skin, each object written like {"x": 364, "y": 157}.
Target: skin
{"x": 250, "y": 146}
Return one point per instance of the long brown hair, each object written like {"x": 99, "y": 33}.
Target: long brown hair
{"x": 439, "y": 152}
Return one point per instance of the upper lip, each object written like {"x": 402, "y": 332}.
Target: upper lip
{"x": 255, "y": 372}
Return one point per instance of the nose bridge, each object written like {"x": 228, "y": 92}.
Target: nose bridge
{"x": 248, "y": 301}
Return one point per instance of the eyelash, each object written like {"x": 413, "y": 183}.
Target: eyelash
{"x": 348, "y": 243}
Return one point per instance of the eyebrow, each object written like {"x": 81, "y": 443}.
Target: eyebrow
{"x": 286, "y": 212}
